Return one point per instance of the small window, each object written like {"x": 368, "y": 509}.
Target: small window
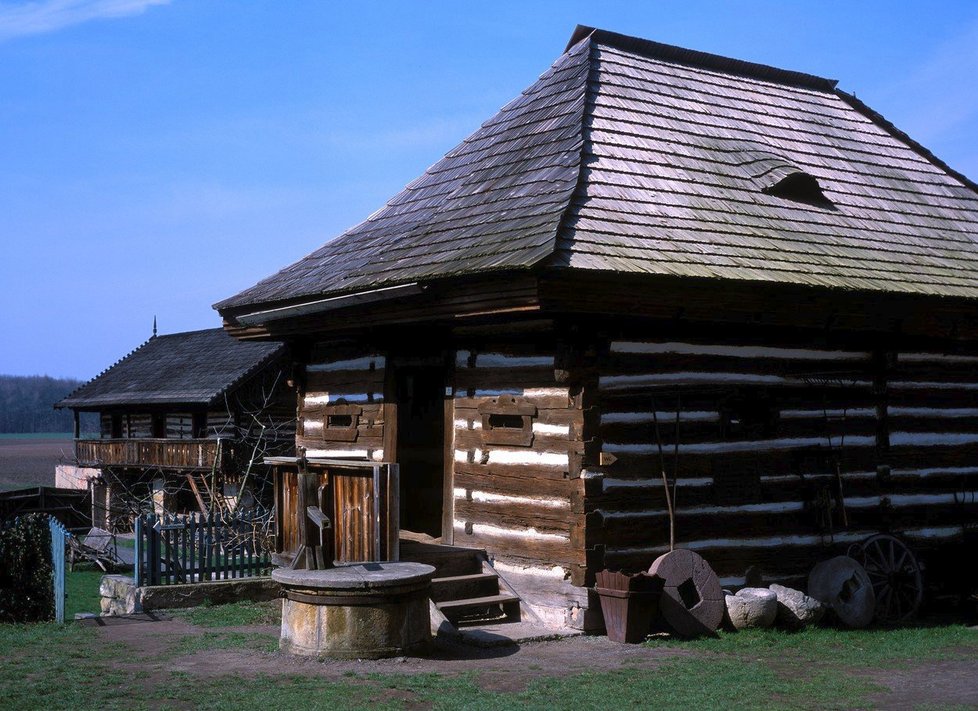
{"x": 335, "y": 421}
{"x": 341, "y": 422}
{"x": 507, "y": 420}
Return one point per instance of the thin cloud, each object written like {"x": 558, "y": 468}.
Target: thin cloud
{"x": 936, "y": 99}
{"x": 32, "y": 18}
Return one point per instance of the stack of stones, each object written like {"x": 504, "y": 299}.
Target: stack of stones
{"x": 119, "y": 595}
{"x": 763, "y": 607}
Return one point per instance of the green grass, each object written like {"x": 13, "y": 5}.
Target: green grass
{"x": 54, "y": 667}
{"x": 270, "y": 692}
{"x": 236, "y": 614}
{"x": 48, "y": 666}
{"x": 223, "y": 640}
{"x": 864, "y": 648}
{"x": 81, "y": 588}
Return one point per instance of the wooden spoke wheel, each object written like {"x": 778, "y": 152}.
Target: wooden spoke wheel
{"x": 895, "y": 574}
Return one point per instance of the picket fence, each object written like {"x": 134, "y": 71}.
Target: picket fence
{"x": 189, "y": 548}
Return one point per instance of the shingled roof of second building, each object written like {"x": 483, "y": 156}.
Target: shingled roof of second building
{"x": 632, "y": 156}
{"x": 192, "y": 368}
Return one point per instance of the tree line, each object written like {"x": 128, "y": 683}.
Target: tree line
{"x": 27, "y": 403}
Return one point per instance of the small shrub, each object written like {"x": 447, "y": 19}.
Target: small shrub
{"x": 26, "y": 586}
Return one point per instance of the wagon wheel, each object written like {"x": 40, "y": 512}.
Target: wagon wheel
{"x": 896, "y": 577}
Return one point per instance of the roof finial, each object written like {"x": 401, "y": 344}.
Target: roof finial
{"x": 154, "y": 325}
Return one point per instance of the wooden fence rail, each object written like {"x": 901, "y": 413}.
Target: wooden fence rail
{"x": 190, "y": 548}
{"x": 175, "y": 453}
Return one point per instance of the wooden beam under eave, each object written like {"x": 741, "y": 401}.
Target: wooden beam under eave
{"x": 760, "y": 304}
{"x": 443, "y": 303}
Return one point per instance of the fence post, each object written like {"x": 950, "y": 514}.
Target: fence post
{"x": 58, "y": 563}
{"x": 138, "y": 553}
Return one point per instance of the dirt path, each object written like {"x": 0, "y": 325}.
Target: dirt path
{"x": 508, "y": 668}
{"x": 949, "y": 684}
{"x": 159, "y": 646}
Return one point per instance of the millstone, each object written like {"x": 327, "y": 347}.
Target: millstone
{"x": 843, "y": 585}
{"x": 692, "y": 601}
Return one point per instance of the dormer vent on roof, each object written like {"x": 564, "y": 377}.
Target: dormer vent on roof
{"x": 774, "y": 175}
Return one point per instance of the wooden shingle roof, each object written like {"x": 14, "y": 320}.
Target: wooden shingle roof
{"x": 192, "y": 368}
{"x": 629, "y": 156}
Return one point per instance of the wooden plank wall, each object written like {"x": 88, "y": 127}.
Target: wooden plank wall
{"x": 760, "y": 429}
{"x": 335, "y": 376}
{"x": 518, "y": 501}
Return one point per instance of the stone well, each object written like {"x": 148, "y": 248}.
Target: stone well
{"x": 361, "y": 611}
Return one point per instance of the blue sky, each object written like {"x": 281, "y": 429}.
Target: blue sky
{"x": 156, "y": 157}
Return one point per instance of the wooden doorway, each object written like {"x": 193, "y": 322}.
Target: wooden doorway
{"x": 420, "y": 447}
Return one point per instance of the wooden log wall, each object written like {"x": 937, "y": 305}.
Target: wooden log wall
{"x": 514, "y": 488}
{"x": 341, "y": 407}
{"x": 220, "y": 423}
{"x": 134, "y": 425}
{"x": 782, "y": 452}
{"x": 931, "y": 489}
{"x": 179, "y": 425}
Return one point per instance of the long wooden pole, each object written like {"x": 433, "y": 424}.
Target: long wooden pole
{"x": 665, "y": 478}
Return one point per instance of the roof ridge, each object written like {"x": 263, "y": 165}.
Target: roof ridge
{"x": 518, "y": 125}
{"x": 188, "y": 333}
{"x": 880, "y": 120}
{"x": 705, "y": 60}
{"x": 566, "y": 214}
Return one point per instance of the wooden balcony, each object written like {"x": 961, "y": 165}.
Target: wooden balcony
{"x": 160, "y": 453}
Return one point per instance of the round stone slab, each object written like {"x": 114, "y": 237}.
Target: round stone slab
{"x": 692, "y": 601}
{"x": 360, "y": 611}
{"x": 358, "y": 576}
{"x": 843, "y": 584}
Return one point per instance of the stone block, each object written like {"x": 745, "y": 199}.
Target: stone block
{"x": 752, "y": 608}
{"x": 161, "y": 597}
{"x": 796, "y": 609}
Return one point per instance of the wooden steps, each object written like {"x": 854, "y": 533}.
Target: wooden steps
{"x": 480, "y": 610}
{"x": 471, "y": 585}
{"x": 466, "y": 588}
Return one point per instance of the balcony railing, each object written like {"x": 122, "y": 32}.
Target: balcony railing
{"x": 164, "y": 453}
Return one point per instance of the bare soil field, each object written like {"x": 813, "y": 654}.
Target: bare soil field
{"x": 30, "y": 461}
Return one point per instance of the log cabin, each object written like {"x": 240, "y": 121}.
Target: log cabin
{"x": 655, "y": 264}
{"x": 184, "y": 421}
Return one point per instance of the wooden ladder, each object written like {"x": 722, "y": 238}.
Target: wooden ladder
{"x": 206, "y": 497}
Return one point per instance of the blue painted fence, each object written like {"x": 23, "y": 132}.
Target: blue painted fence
{"x": 58, "y": 536}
